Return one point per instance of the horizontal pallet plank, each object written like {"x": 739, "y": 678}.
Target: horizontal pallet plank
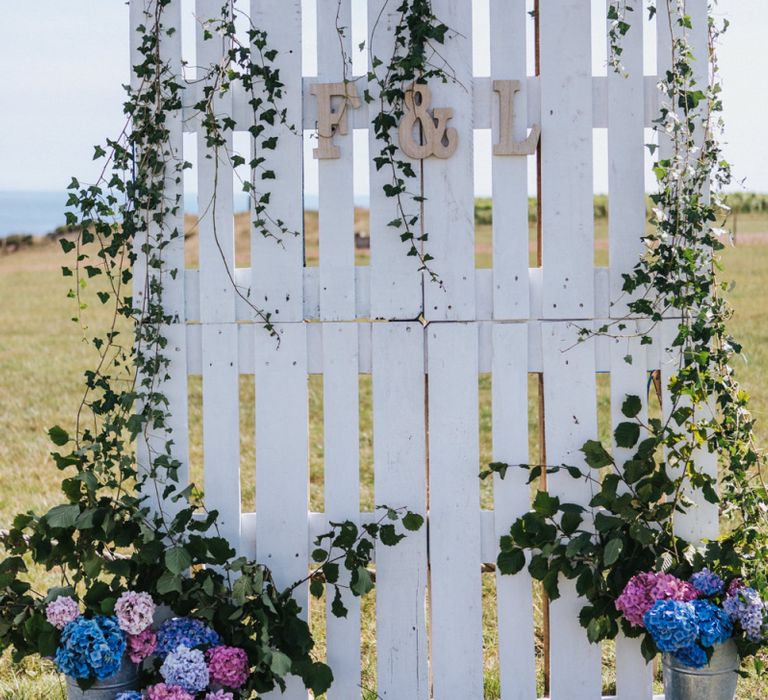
{"x": 485, "y": 103}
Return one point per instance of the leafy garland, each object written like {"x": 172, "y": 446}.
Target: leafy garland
{"x": 629, "y": 524}
{"x": 416, "y": 34}
{"x": 128, "y": 525}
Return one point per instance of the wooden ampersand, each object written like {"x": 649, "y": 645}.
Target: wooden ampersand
{"x": 332, "y": 121}
{"x": 507, "y": 146}
{"x": 439, "y": 140}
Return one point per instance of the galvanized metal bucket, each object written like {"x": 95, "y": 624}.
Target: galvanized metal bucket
{"x": 127, "y": 678}
{"x": 716, "y": 681}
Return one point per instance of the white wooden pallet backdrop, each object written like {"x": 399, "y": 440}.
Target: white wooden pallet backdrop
{"x": 509, "y": 321}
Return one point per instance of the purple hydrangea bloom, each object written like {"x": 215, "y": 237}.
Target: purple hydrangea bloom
{"x": 187, "y": 669}
{"x": 715, "y": 626}
{"x": 91, "y": 648}
{"x": 672, "y": 624}
{"x": 693, "y": 656}
{"x": 747, "y": 608}
{"x": 184, "y": 631}
{"x": 707, "y": 582}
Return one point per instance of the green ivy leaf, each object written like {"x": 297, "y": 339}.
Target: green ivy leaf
{"x": 596, "y": 455}
{"x": 632, "y": 406}
{"x": 63, "y": 516}
{"x": 58, "y": 435}
{"x": 413, "y": 521}
{"x": 177, "y": 560}
{"x": 627, "y": 434}
{"x": 511, "y": 562}
{"x": 613, "y": 551}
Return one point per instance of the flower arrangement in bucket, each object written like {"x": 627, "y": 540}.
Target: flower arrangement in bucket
{"x": 690, "y": 620}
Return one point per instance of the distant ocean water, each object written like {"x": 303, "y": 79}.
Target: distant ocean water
{"x": 38, "y": 212}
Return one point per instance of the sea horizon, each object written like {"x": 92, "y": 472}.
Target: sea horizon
{"x": 38, "y": 212}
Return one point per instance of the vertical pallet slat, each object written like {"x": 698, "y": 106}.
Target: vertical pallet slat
{"x": 282, "y": 464}
{"x": 449, "y": 210}
{"x": 395, "y": 278}
{"x": 510, "y": 173}
{"x": 342, "y": 489}
{"x": 701, "y": 521}
{"x": 171, "y": 277}
{"x": 399, "y": 457}
{"x": 336, "y": 216}
{"x": 634, "y": 677}
{"x": 626, "y": 164}
{"x": 454, "y": 509}
{"x": 221, "y": 422}
{"x": 509, "y": 386}
{"x": 277, "y": 266}
{"x": 566, "y": 160}
{"x": 571, "y": 420}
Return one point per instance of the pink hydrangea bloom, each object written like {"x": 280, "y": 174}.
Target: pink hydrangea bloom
{"x": 220, "y": 695}
{"x": 141, "y": 645}
{"x": 644, "y": 589}
{"x": 134, "y": 611}
{"x": 62, "y": 611}
{"x": 161, "y": 691}
{"x": 228, "y": 666}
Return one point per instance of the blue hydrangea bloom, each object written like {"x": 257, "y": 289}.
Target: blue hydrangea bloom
{"x": 186, "y": 668}
{"x": 129, "y": 695}
{"x": 715, "y": 626}
{"x": 693, "y": 656}
{"x": 672, "y": 624}
{"x": 184, "y": 631}
{"x": 748, "y": 609}
{"x": 91, "y": 648}
{"x": 707, "y": 582}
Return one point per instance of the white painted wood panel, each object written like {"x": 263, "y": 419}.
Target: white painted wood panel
{"x": 216, "y": 236}
{"x": 277, "y": 263}
{"x": 336, "y": 210}
{"x": 341, "y": 462}
{"x": 571, "y": 419}
{"x": 170, "y": 232}
{"x": 396, "y": 283}
{"x": 510, "y": 173}
{"x": 634, "y": 677}
{"x": 514, "y": 599}
{"x": 282, "y": 463}
{"x": 449, "y": 216}
{"x": 221, "y": 427}
{"x": 399, "y": 457}
{"x": 626, "y": 164}
{"x": 566, "y": 160}
{"x": 454, "y": 497}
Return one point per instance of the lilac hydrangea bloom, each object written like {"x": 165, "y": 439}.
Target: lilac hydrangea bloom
{"x": 693, "y": 656}
{"x": 748, "y": 609}
{"x": 161, "y": 691}
{"x": 91, "y": 648}
{"x": 715, "y": 626}
{"x": 219, "y": 695}
{"x": 186, "y": 668}
{"x": 62, "y": 611}
{"x": 672, "y": 624}
{"x": 184, "y": 631}
{"x": 707, "y": 582}
{"x": 134, "y": 611}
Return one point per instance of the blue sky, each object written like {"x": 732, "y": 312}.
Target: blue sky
{"x": 62, "y": 65}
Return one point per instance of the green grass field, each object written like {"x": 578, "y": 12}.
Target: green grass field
{"x": 43, "y": 355}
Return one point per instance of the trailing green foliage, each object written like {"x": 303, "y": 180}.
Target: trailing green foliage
{"x": 631, "y": 523}
{"x": 129, "y": 521}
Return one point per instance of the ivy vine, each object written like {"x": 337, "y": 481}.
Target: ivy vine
{"x": 629, "y": 524}
{"x": 128, "y": 521}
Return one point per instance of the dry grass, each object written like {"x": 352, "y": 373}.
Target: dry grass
{"x": 43, "y": 355}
